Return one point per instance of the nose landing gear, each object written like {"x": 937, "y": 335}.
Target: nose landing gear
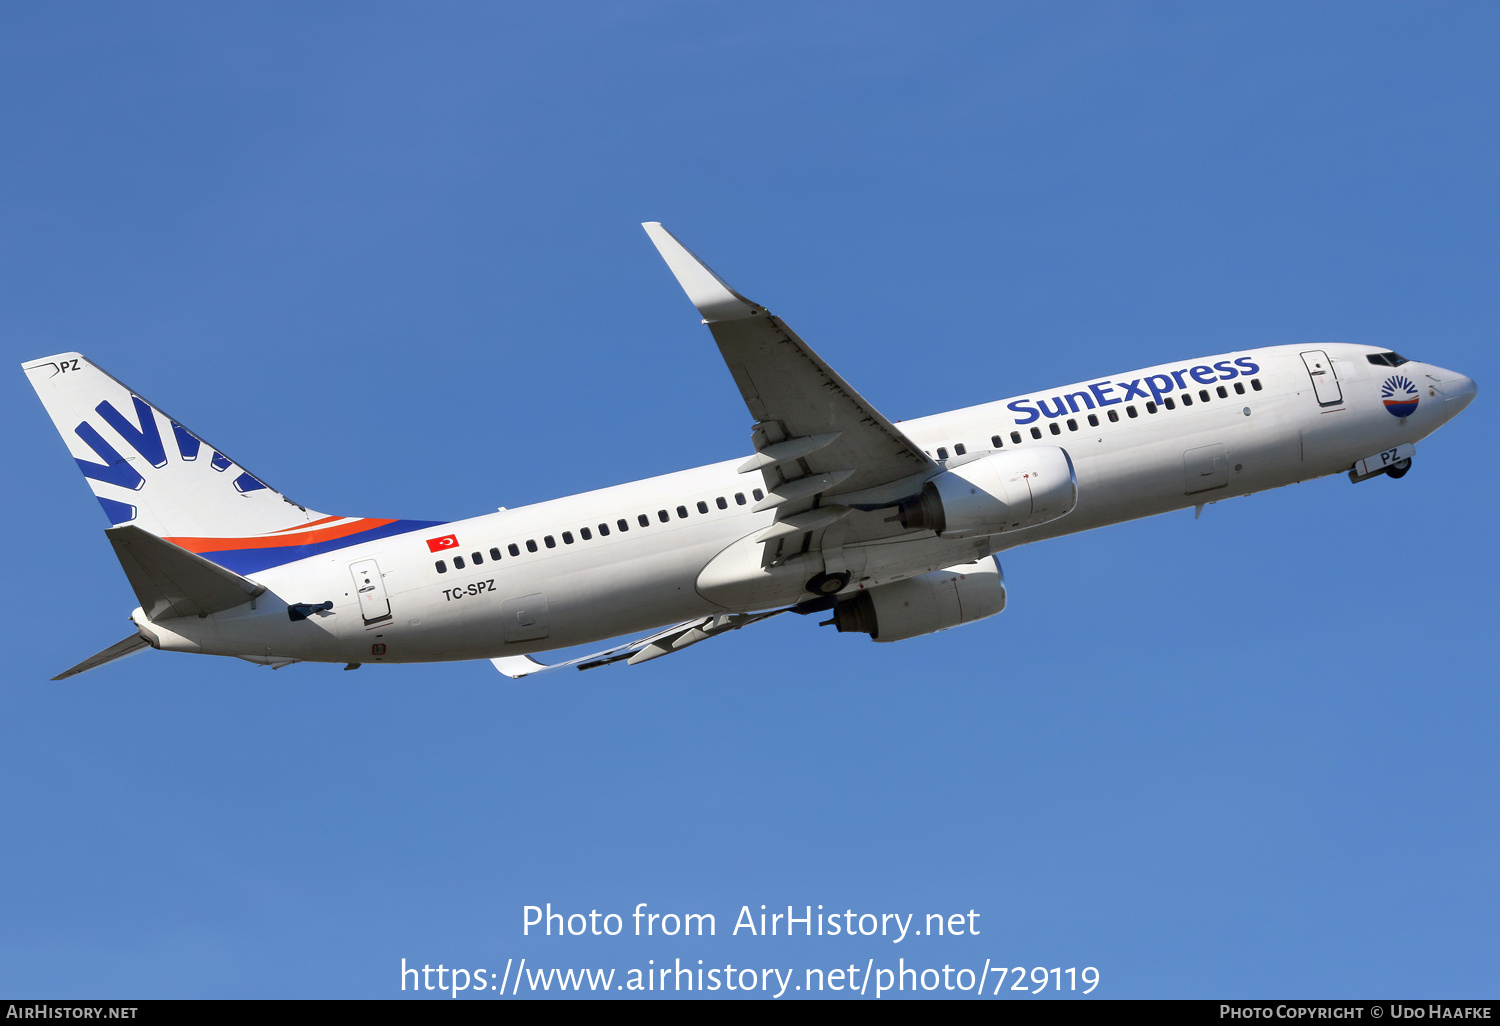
{"x": 1394, "y": 462}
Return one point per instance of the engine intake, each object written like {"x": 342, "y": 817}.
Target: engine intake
{"x": 1004, "y": 491}
{"x": 923, "y": 605}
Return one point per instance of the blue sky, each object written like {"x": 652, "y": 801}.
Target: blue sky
{"x": 388, "y": 258}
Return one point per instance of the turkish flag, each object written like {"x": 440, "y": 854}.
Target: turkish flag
{"x": 447, "y": 541}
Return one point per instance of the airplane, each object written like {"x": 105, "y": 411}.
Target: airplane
{"x": 891, "y": 529}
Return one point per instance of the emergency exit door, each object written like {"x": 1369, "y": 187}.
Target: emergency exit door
{"x": 1324, "y": 381}
{"x": 374, "y": 603}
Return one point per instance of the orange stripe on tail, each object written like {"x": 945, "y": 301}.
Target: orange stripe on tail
{"x": 201, "y": 545}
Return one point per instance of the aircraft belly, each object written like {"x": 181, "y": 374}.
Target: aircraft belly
{"x": 264, "y": 631}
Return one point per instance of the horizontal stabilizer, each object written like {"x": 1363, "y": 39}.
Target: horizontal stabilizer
{"x": 171, "y": 581}
{"x": 118, "y": 650}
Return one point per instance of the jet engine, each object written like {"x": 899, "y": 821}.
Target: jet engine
{"x": 1004, "y": 491}
{"x": 925, "y": 604}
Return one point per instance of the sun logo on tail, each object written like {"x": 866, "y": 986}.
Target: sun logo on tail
{"x": 1400, "y": 396}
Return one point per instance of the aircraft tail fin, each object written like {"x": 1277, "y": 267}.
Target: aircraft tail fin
{"x": 149, "y": 471}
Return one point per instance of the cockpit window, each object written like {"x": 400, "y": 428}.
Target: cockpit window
{"x": 1386, "y": 359}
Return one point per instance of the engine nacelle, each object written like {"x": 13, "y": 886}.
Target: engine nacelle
{"x": 1004, "y": 491}
{"x": 923, "y": 605}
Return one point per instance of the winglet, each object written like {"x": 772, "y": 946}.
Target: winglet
{"x": 715, "y": 300}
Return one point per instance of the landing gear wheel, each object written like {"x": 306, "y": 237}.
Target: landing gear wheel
{"x": 1399, "y": 468}
{"x": 827, "y": 584}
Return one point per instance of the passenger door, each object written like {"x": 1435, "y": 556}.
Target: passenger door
{"x": 374, "y": 603}
{"x": 1324, "y": 381}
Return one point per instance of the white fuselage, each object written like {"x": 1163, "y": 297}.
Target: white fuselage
{"x": 579, "y": 590}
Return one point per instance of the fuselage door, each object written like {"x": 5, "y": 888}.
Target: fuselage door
{"x": 1206, "y": 468}
{"x": 374, "y": 603}
{"x": 524, "y": 618}
{"x": 1325, "y": 382}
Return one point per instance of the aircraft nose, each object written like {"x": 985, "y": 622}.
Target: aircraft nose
{"x": 1459, "y": 391}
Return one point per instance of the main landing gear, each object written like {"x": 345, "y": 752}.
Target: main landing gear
{"x": 1399, "y": 468}
{"x": 828, "y": 584}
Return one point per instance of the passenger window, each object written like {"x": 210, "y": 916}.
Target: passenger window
{"x": 1015, "y": 437}
{"x": 1130, "y": 412}
{"x": 530, "y": 544}
{"x": 644, "y": 520}
{"x": 567, "y": 537}
{"x": 1203, "y": 395}
{"x": 1150, "y": 406}
{"x": 550, "y": 542}
{"x": 477, "y": 558}
{"x": 681, "y": 512}
{"x": 622, "y": 525}
{"x": 604, "y": 529}
{"x": 585, "y": 533}
{"x": 1255, "y": 384}
{"x": 1187, "y": 400}
{"x": 942, "y": 453}
{"x": 959, "y": 449}
{"x": 1093, "y": 420}
{"x": 739, "y": 498}
{"x": 494, "y": 553}
{"x": 995, "y": 442}
{"x": 721, "y": 502}
{"x": 1223, "y": 392}
{"x": 1072, "y": 424}
{"x": 663, "y": 516}
{"x": 1054, "y": 428}
{"x": 1168, "y": 403}
{"x": 758, "y": 494}
{"x": 442, "y": 567}
{"x": 458, "y": 562}
{"x": 515, "y": 550}
{"x": 1036, "y": 432}
{"x": 702, "y": 506}
{"x": 1239, "y": 388}
{"x": 1114, "y": 416}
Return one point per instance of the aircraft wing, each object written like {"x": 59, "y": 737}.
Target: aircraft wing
{"x": 817, "y": 440}
{"x": 663, "y": 642}
{"x": 804, "y": 412}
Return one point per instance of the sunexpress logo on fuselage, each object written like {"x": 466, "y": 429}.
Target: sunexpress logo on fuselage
{"x": 1111, "y": 393}
{"x": 1400, "y": 396}
{"x": 145, "y": 438}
